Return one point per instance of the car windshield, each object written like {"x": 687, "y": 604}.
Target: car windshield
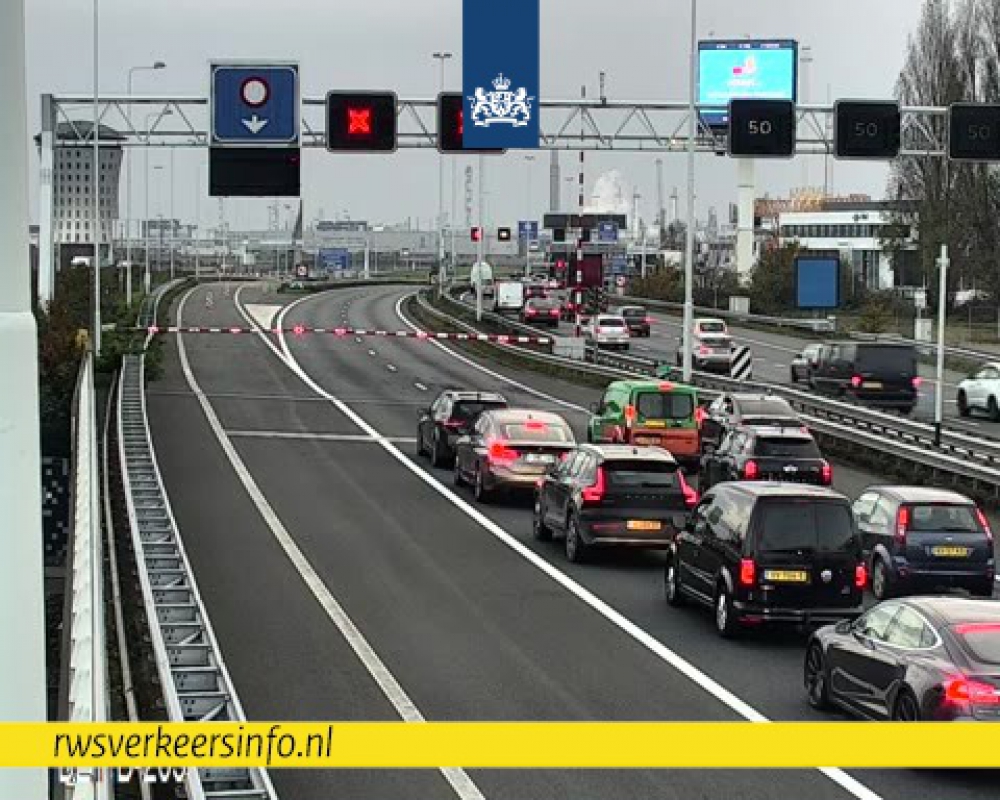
{"x": 535, "y": 431}
{"x": 712, "y": 327}
{"x": 611, "y": 322}
{"x": 468, "y": 410}
{"x": 981, "y": 639}
{"x": 641, "y": 473}
{"x": 787, "y": 447}
{"x": 805, "y": 525}
{"x": 892, "y": 359}
{"x": 942, "y": 517}
{"x": 664, "y": 405}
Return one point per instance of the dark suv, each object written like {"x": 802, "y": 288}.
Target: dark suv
{"x": 917, "y": 537}
{"x": 613, "y": 495}
{"x": 790, "y": 455}
{"x": 450, "y": 416}
{"x": 638, "y": 320}
{"x": 762, "y": 553}
{"x": 878, "y": 374}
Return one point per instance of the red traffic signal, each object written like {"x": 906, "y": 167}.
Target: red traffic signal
{"x": 477, "y": 234}
{"x": 450, "y": 125}
{"x": 361, "y": 122}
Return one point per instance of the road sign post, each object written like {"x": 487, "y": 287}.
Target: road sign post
{"x": 943, "y": 263}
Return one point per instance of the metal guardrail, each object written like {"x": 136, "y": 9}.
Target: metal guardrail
{"x": 195, "y": 683}
{"x": 826, "y": 325}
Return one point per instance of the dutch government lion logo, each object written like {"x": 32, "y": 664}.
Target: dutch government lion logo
{"x": 502, "y": 105}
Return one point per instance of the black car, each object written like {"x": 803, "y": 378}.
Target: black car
{"x": 921, "y": 538}
{"x": 450, "y": 416}
{"x": 745, "y": 409}
{"x": 769, "y": 553}
{"x": 877, "y": 374}
{"x": 922, "y": 658}
{"x": 613, "y": 495}
{"x": 790, "y": 455}
{"x": 638, "y": 320}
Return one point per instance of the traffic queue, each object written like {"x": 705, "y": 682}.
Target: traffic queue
{"x": 740, "y": 497}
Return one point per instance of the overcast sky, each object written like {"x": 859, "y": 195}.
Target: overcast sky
{"x": 857, "y": 47}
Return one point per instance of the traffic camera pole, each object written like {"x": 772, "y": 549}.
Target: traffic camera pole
{"x": 689, "y": 244}
{"x": 943, "y": 263}
{"x": 22, "y": 690}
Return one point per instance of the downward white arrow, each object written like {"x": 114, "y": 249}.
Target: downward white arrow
{"x": 255, "y": 125}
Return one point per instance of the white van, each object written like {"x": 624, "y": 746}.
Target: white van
{"x": 482, "y": 273}
{"x": 508, "y": 296}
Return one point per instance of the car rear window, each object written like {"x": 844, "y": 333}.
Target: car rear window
{"x": 532, "y": 431}
{"x": 641, "y": 474}
{"x": 887, "y": 359}
{"x": 981, "y": 639}
{"x": 634, "y": 312}
{"x": 468, "y": 410}
{"x": 712, "y": 327}
{"x": 805, "y": 525}
{"x": 787, "y": 448}
{"x": 544, "y": 302}
{"x": 766, "y": 409}
{"x": 611, "y": 322}
{"x": 943, "y": 517}
{"x": 664, "y": 405}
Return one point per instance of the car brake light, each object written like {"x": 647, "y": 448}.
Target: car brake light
{"x": 856, "y": 381}
{"x": 500, "y": 452}
{"x": 629, "y": 415}
{"x": 704, "y": 351}
{"x": 699, "y": 415}
{"x": 751, "y": 470}
{"x": 600, "y": 329}
{"x": 666, "y": 387}
{"x": 916, "y": 382}
{"x": 748, "y": 572}
{"x": 553, "y": 312}
{"x": 902, "y": 521}
{"x": 595, "y": 492}
{"x": 535, "y": 425}
{"x": 963, "y": 690}
{"x": 860, "y": 576}
{"x": 530, "y": 312}
{"x": 985, "y": 523}
{"x": 827, "y": 474}
{"x": 649, "y": 320}
{"x": 690, "y": 493}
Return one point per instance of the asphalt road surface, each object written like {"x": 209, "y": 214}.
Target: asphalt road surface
{"x": 347, "y": 580}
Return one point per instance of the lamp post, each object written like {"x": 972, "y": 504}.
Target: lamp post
{"x": 147, "y": 278}
{"x": 128, "y": 181}
{"x": 96, "y": 182}
{"x": 527, "y": 212}
{"x": 689, "y": 243}
{"x": 441, "y": 57}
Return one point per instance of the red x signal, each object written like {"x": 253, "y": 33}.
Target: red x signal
{"x": 359, "y": 121}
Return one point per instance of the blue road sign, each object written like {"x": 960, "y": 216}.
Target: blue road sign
{"x": 607, "y": 232}
{"x": 255, "y": 105}
{"x": 619, "y": 264}
{"x": 527, "y": 230}
{"x": 334, "y": 259}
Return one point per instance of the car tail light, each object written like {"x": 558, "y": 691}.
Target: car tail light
{"x": 916, "y": 382}
{"x": 964, "y": 690}
{"x": 902, "y": 521}
{"x": 751, "y": 471}
{"x": 827, "y": 474}
{"x": 535, "y": 425}
{"x": 856, "y": 381}
{"x": 553, "y": 312}
{"x": 499, "y": 451}
{"x": 748, "y": 572}
{"x": 699, "y": 415}
{"x": 649, "y": 320}
{"x": 530, "y": 312}
{"x": 630, "y": 415}
{"x": 595, "y": 492}
{"x": 860, "y": 576}
{"x": 690, "y": 493}
{"x": 666, "y": 387}
{"x": 704, "y": 351}
{"x": 985, "y": 523}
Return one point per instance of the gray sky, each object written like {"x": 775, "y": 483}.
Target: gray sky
{"x": 386, "y": 44}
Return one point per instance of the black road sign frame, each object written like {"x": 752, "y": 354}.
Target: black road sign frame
{"x": 962, "y": 119}
{"x": 770, "y": 112}
{"x": 380, "y": 101}
{"x": 849, "y": 114}
{"x": 451, "y": 99}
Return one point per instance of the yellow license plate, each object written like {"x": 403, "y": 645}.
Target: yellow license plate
{"x": 786, "y": 576}
{"x": 650, "y": 440}
{"x": 871, "y": 385}
{"x": 644, "y": 525}
{"x": 655, "y": 423}
{"x": 950, "y": 552}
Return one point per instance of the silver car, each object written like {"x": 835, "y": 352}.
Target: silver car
{"x": 710, "y": 352}
{"x": 609, "y": 331}
{"x": 803, "y": 364}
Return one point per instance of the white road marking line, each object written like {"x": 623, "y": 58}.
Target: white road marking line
{"x": 420, "y": 386}
{"x": 371, "y": 352}
{"x": 392, "y": 367}
{"x": 323, "y": 437}
{"x": 358, "y": 339}
{"x": 391, "y": 688}
{"x": 678, "y": 662}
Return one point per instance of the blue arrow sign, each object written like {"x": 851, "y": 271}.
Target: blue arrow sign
{"x": 527, "y": 230}
{"x": 255, "y": 105}
{"x": 607, "y": 232}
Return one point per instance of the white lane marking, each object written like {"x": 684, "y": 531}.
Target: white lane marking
{"x": 371, "y": 352}
{"x": 392, "y": 367}
{"x": 420, "y": 386}
{"x": 322, "y": 437}
{"x": 391, "y": 688}
{"x": 358, "y": 339}
{"x": 654, "y": 645}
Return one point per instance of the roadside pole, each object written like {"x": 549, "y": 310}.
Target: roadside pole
{"x": 689, "y": 242}
{"x": 22, "y": 602}
{"x": 943, "y": 264}
{"x": 481, "y": 275}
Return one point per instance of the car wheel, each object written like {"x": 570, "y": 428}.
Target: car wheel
{"x": 482, "y": 494}
{"x": 817, "y": 687}
{"x": 541, "y": 531}
{"x": 726, "y": 623}
{"x": 421, "y": 450}
{"x": 577, "y": 550}
{"x": 963, "y": 404}
{"x": 794, "y": 375}
{"x": 672, "y": 582}
{"x": 906, "y": 708}
{"x": 994, "y": 409}
{"x": 881, "y": 582}
{"x": 456, "y": 475}
{"x": 437, "y": 454}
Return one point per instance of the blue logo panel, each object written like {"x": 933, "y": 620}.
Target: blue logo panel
{"x": 255, "y": 105}
{"x": 500, "y": 78}
{"x": 817, "y": 282}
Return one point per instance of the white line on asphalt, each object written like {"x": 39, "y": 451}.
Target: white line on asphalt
{"x": 654, "y": 645}
{"x": 391, "y": 688}
{"x": 358, "y": 339}
{"x": 323, "y": 437}
{"x": 392, "y": 367}
{"x": 420, "y": 386}
{"x": 371, "y": 352}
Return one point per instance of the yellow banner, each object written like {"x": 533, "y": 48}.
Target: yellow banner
{"x": 501, "y": 744}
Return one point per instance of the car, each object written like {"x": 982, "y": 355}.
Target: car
{"x": 637, "y": 319}
{"x": 608, "y": 331}
{"x": 649, "y": 413}
{"x": 710, "y": 351}
{"x": 768, "y": 553}
{"x": 536, "y": 290}
{"x": 790, "y": 455}
{"x": 510, "y": 449}
{"x": 980, "y": 392}
{"x": 876, "y": 374}
{"x": 542, "y": 311}
{"x": 450, "y": 416}
{"x": 803, "y": 364}
{"x": 710, "y": 326}
{"x": 746, "y": 409}
{"x": 919, "y": 538}
{"x": 934, "y": 659}
{"x": 613, "y": 495}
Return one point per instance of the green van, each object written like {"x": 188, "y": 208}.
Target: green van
{"x": 650, "y": 413}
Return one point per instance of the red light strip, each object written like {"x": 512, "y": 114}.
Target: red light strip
{"x": 299, "y": 330}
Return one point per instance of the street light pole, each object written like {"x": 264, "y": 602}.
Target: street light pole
{"x": 527, "y": 213}
{"x": 96, "y": 182}
{"x": 441, "y": 57}
{"x": 689, "y": 243}
{"x": 173, "y": 230}
{"x": 481, "y": 274}
{"x": 943, "y": 263}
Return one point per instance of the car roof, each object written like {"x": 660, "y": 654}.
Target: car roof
{"x": 623, "y": 309}
{"x": 700, "y": 320}
{"x": 779, "y": 432}
{"x": 613, "y": 452}
{"x": 756, "y": 397}
{"x": 862, "y": 343}
{"x": 514, "y": 415}
{"x": 653, "y": 386}
{"x": 459, "y": 394}
{"x": 921, "y": 494}
{"x": 778, "y": 489}
{"x": 953, "y": 610}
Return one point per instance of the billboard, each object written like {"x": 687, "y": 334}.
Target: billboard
{"x": 817, "y": 282}
{"x": 760, "y": 69}
{"x": 334, "y": 259}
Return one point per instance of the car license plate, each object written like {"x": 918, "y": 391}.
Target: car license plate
{"x": 786, "y": 576}
{"x": 539, "y": 458}
{"x": 950, "y": 552}
{"x": 647, "y": 440}
{"x": 871, "y": 385}
{"x": 644, "y": 525}
{"x": 653, "y": 423}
